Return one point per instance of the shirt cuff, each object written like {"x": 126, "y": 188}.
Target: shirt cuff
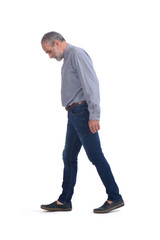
{"x": 94, "y": 115}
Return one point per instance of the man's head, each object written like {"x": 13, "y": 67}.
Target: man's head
{"x": 54, "y": 45}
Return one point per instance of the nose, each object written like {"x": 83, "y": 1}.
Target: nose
{"x": 50, "y": 55}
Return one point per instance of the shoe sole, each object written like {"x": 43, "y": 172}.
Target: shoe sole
{"x": 111, "y": 209}
{"x": 56, "y": 209}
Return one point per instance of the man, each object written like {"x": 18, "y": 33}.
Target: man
{"x": 80, "y": 97}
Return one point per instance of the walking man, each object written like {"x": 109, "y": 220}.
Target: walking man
{"x": 80, "y": 97}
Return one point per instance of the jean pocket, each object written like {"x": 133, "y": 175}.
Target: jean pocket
{"x": 78, "y": 110}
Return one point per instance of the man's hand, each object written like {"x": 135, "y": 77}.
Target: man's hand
{"x": 94, "y": 125}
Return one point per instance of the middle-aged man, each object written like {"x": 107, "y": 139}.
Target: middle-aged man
{"x": 80, "y": 97}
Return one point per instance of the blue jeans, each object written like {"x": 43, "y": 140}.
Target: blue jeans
{"x": 78, "y": 134}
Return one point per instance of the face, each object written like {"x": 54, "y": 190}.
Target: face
{"x": 53, "y": 51}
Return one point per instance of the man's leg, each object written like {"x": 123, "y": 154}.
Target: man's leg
{"x": 91, "y": 143}
{"x": 94, "y": 152}
{"x": 70, "y": 154}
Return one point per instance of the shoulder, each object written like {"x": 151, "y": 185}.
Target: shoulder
{"x": 79, "y": 55}
{"x": 77, "y": 51}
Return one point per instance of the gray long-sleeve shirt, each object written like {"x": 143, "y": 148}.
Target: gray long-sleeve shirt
{"x": 79, "y": 81}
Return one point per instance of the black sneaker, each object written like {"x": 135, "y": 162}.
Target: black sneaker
{"x": 54, "y": 207}
{"x": 106, "y": 207}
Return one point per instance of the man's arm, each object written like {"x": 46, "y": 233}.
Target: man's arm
{"x": 90, "y": 86}
{"x": 89, "y": 83}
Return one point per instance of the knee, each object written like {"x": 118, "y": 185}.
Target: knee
{"x": 68, "y": 158}
{"x": 96, "y": 157}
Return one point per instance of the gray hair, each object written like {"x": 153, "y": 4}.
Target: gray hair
{"x": 51, "y": 37}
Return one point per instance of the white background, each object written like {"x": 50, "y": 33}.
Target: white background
{"x": 122, "y": 38}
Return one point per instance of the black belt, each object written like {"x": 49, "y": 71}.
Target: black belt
{"x": 75, "y": 104}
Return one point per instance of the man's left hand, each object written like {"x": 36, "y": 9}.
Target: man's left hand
{"x": 94, "y": 125}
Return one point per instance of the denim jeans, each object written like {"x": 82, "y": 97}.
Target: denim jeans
{"x": 78, "y": 134}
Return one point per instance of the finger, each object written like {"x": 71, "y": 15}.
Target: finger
{"x": 91, "y": 128}
{"x": 96, "y": 127}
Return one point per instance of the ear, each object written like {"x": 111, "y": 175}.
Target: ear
{"x": 57, "y": 43}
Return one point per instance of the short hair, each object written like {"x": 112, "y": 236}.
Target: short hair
{"x": 50, "y": 37}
